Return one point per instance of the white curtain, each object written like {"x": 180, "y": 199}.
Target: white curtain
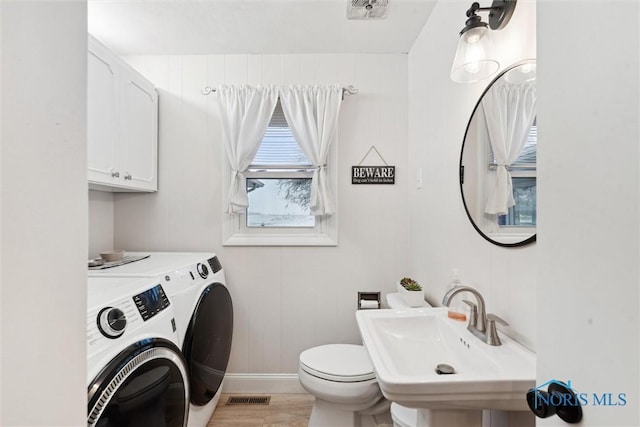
{"x": 510, "y": 109}
{"x": 245, "y": 112}
{"x": 312, "y": 114}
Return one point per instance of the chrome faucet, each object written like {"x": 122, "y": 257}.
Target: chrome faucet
{"x": 481, "y": 324}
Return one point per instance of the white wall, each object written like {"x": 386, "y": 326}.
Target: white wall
{"x": 43, "y": 215}
{"x": 588, "y": 280}
{"x": 100, "y": 222}
{"x": 1, "y": 218}
{"x": 286, "y": 299}
{"x": 441, "y": 236}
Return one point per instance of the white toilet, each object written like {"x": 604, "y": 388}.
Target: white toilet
{"x": 341, "y": 378}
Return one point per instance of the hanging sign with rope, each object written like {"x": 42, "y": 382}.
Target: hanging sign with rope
{"x": 373, "y": 174}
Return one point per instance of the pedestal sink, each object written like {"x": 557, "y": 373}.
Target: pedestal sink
{"x": 406, "y": 347}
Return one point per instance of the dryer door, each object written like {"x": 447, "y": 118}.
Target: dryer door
{"x": 207, "y": 342}
{"x": 146, "y": 384}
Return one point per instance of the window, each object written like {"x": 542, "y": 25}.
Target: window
{"x": 279, "y": 202}
{"x": 523, "y": 213}
{"x": 279, "y": 193}
{"x": 523, "y": 175}
{"x": 279, "y": 180}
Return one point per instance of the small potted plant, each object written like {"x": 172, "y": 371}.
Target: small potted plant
{"x": 411, "y": 292}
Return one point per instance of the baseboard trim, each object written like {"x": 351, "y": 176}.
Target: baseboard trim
{"x": 261, "y": 383}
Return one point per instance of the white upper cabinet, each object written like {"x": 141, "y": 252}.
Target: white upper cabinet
{"x": 102, "y": 118}
{"x": 139, "y": 125}
{"x": 122, "y": 124}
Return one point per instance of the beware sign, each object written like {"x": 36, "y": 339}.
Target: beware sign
{"x": 373, "y": 174}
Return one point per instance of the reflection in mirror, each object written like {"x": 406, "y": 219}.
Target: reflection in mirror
{"x": 498, "y": 159}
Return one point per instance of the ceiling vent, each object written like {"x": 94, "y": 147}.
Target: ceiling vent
{"x": 367, "y": 9}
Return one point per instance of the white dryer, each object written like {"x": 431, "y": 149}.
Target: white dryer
{"x": 136, "y": 373}
{"x": 195, "y": 284}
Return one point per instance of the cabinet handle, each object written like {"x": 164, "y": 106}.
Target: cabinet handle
{"x": 127, "y": 176}
{"x": 115, "y": 174}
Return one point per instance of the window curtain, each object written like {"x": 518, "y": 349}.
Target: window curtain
{"x": 509, "y": 109}
{"x": 312, "y": 114}
{"x": 245, "y": 112}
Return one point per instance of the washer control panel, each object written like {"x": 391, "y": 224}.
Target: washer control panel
{"x": 111, "y": 322}
{"x": 203, "y": 271}
{"x": 151, "y": 302}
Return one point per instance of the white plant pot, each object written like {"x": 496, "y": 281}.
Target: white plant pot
{"x": 412, "y": 298}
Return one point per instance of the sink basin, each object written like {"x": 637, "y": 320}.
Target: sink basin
{"x": 406, "y": 346}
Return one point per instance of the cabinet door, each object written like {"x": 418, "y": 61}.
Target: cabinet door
{"x": 102, "y": 117}
{"x": 139, "y": 132}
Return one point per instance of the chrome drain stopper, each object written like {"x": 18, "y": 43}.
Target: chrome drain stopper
{"x": 445, "y": 369}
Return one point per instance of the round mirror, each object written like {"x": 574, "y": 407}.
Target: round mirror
{"x": 498, "y": 159}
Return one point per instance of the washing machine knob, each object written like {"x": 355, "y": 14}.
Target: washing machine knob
{"x": 112, "y": 322}
{"x": 203, "y": 271}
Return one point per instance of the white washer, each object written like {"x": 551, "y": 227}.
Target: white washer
{"x": 136, "y": 373}
{"x": 195, "y": 284}
{"x": 155, "y": 264}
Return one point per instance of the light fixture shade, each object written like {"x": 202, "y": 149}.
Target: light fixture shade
{"x": 475, "y": 56}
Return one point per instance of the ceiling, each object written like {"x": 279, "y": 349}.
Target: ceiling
{"x": 252, "y": 26}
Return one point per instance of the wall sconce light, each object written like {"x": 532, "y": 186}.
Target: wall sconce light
{"x": 475, "y": 56}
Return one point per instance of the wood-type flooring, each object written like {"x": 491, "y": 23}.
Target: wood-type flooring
{"x": 284, "y": 410}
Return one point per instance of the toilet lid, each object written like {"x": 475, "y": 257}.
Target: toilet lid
{"x": 338, "y": 362}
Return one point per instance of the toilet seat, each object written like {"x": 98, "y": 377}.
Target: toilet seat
{"x": 344, "y": 363}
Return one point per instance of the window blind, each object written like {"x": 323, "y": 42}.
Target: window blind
{"x": 278, "y": 146}
{"x": 528, "y": 155}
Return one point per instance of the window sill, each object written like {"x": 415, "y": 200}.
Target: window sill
{"x": 238, "y": 239}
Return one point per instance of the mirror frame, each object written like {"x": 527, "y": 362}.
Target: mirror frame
{"x": 528, "y": 240}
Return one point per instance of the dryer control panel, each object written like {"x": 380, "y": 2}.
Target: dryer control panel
{"x": 151, "y": 302}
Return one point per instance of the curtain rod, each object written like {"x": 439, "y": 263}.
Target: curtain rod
{"x": 349, "y": 90}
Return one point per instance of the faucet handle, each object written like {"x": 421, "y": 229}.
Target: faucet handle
{"x": 492, "y": 333}
{"x": 473, "y": 312}
{"x": 493, "y": 318}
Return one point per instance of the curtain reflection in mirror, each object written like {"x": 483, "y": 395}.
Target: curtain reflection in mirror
{"x": 498, "y": 159}
{"x": 509, "y": 111}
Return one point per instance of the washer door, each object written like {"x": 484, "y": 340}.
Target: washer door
{"x": 146, "y": 384}
{"x": 207, "y": 342}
